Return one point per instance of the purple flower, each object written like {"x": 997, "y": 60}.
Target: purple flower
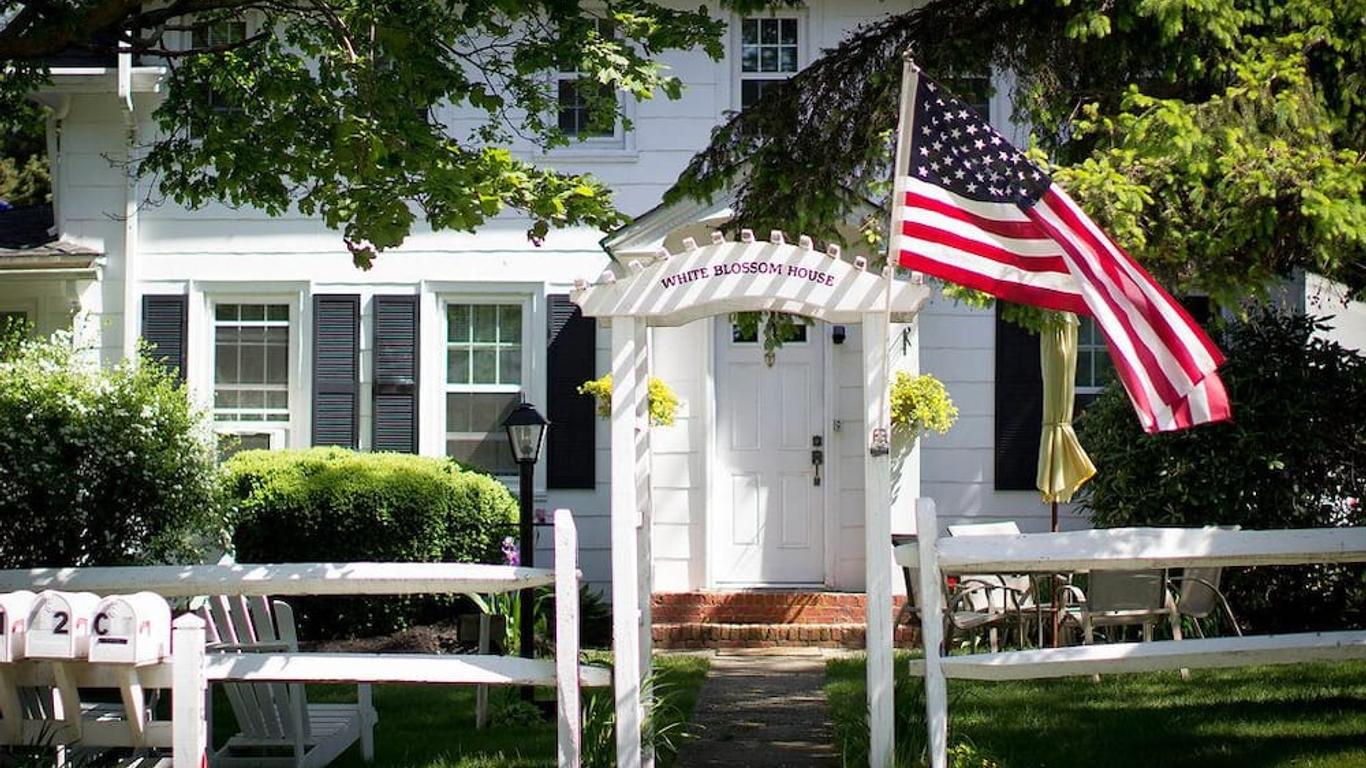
{"x": 511, "y": 554}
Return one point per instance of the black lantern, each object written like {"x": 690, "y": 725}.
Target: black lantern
{"x": 526, "y": 429}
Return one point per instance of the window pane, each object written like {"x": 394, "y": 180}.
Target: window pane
{"x": 485, "y": 322}
{"x": 789, "y": 59}
{"x": 253, "y": 311}
{"x": 768, "y": 31}
{"x": 1083, "y": 378}
{"x": 749, "y": 59}
{"x": 458, "y": 365}
{"x": 225, "y": 398}
{"x": 225, "y": 312}
{"x": 457, "y": 323}
{"x": 510, "y": 324}
{"x": 485, "y": 366}
{"x": 789, "y": 31}
{"x": 278, "y": 312}
{"x": 277, "y": 364}
{"x": 768, "y": 60}
{"x": 749, "y": 31}
{"x": 510, "y": 365}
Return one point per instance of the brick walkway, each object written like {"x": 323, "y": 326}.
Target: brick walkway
{"x": 762, "y": 711}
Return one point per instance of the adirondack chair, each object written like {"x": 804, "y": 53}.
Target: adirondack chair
{"x": 278, "y": 725}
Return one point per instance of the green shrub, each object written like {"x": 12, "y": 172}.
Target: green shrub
{"x": 99, "y": 466}
{"x": 1294, "y": 456}
{"x": 334, "y": 505}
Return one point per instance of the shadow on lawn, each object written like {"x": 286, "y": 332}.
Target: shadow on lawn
{"x": 1310, "y": 715}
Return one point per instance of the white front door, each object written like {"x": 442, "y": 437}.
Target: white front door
{"x": 769, "y": 529}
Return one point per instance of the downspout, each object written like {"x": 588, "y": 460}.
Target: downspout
{"x": 131, "y": 309}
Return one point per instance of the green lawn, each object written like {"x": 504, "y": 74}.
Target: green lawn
{"x": 433, "y": 726}
{"x": 1305, "y": 715}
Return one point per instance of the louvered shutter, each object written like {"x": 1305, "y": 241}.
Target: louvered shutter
{"x": 570, "y": 352}
{"x": 336, "y": 370}
{"x": 164, "y": 322}
{"x": 396, "y": 358}
{"x": 1019, "y": 406}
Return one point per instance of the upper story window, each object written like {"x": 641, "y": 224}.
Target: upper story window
{"x": 251, "y": 363}
{"x": 579, "y": 98}
{"x": 485, "y": 347}
{"x": 226, "y": 32}
{"x": 1093, "y": 359}
{"x": 974, "y": 90}
{"x": 768, "y": 55}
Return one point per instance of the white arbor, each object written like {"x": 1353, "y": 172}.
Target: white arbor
{"x": 720, "y": 278}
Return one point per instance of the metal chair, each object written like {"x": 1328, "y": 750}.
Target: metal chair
{"x": 1198, "y": 596}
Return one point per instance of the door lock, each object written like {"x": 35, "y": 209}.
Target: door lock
{"x": 817, "y": 457}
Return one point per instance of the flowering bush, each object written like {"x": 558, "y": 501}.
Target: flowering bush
{"x": 99, "y": 466}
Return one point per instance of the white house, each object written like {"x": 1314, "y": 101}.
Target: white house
{"x": 289, "y": 345}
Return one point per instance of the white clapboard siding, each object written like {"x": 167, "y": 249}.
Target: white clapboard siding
{"x": 1140, "y": 548}
{"x": 284, "y": 580}
{"x": 390, "y": 668}
{"x": 1116, "y": 658}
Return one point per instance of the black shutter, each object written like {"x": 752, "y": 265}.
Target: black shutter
{"x": 336, "y": 370}
{"x": 1019, "y": 406}
{"x": 396, "y": 355}
{"x": 570, "y": 352}
{"x": 164, "y": 323}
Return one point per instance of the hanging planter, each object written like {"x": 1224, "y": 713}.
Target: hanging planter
{"x": 921, "y": 404}
{"x": 662, "y": 400}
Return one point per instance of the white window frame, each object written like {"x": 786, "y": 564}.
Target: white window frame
{"x": 1097, "y": 347}
{"x": 738, "y": 75}
{"x": 617, "y": 141}
{"x": 523, "y": 387}
{"x": 284, "y": 434}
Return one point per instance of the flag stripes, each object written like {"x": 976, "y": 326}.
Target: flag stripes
{"x": 971, "y": 209}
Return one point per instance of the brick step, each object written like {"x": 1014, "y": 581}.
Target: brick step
{"x": 696, "y": 635}
{"x": 761, "y": 608}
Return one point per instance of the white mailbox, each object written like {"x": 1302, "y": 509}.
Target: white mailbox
{"x": 14, "y": 610}
{"x": 131, "y": 629}
{"x": 59, "y": 625}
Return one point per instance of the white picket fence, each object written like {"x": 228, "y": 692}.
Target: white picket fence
{"x": 1112, "y": 549}
{"x": 189, "y": 670}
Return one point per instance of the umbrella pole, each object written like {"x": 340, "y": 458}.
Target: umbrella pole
{"x": 1057, "y": 592}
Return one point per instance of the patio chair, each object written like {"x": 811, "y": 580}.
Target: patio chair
{"x": 968, "y": 606}
{"x": 278, "y": 725}
{"x": 1012, "y": 594}
{"x": 1198, "y": 597}
{"x": 1121, "y": 599}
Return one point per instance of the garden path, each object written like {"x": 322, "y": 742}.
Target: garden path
{"x": 762, "y": 711}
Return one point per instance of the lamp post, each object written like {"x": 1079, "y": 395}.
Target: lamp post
{"x": 526, "y": 429}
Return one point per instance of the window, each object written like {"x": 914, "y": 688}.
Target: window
{"x": 214, "y": 34}
{"x": 219, "y": 33}
{"x": 768, "y": 55}
{"x": 1093, "y": 359}
{"x": 789, "y": 333}
{"x": 973, "y": 90}
{"x": 484, "y": 354}
{"x": 578, "y": 97}
{"x": 251, "y": 363}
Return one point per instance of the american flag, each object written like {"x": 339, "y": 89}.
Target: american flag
{"x": 971, "y": 209}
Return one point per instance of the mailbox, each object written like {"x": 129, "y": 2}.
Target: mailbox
{"x": 131, "y": 629}
{"x": 14, "y": 610}
{"x": 59, "y": 625}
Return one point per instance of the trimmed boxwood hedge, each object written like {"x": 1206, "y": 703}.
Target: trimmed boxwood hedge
{"x": 333, "y": 505}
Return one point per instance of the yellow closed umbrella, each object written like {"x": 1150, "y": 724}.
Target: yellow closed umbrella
{"x": 1063, "y": 465}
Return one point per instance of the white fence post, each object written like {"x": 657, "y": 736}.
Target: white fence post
{"x": 932, "y": 631}
{"x": 626, "y": 628}
{"x": 189, "y": 729}
{"x": 567, "y": 639}
{"x": 877, "y": 521}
